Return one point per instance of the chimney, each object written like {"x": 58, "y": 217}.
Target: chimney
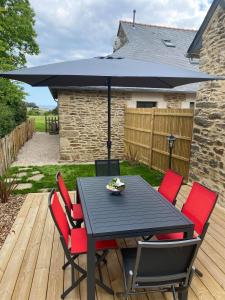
{"x": 134, "y": 12}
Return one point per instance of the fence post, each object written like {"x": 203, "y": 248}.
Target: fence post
{"x": 46, "y": 124}
{"x": 151, "y": 137}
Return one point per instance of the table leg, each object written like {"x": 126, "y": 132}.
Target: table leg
{"x": 91, "y": 269}
{"x": 189, "y": 234}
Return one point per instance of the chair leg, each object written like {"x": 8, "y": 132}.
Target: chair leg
{"x": 105, "y": 287}
{"x": 68, "y": 262}
{"x": 147, "y": 238}
{"x": 183, "y": 295}
{"x": 99, "y": 259}
{"x": 103, "y": 259}
{"x": 198, "y": 272}
{"x": 73, "y": 286}
{"x": 174, "y": 293}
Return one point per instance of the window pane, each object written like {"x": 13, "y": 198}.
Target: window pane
{"x": 192, "y": 105}
{"x": 146, "y": 104}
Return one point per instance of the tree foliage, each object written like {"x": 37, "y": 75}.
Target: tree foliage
{"x": 31, "y": 105}
{"x": 17, "y": 39}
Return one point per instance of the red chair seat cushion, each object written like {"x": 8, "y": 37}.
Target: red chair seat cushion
{"x": 77, "y": 212}
{"x": 173, "y": 236}
{"x": 79, "y": 242}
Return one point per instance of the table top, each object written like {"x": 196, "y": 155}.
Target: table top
{"x": 138, "y": 210}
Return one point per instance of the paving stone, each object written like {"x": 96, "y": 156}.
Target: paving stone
{"x": 21, "y": 174}
{"x": 11, "y": 179}
{"x": 36, "y": 177}
{"x": 44, "y": 190}
{"x": 22, "y": 169}
{"x": 36, "y": 172}
{"x": 23, "y": 186}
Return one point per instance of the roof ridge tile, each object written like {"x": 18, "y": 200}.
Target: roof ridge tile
{"x": 158, "y": 26}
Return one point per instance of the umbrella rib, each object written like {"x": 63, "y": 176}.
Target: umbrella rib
{"x": 44, "y": 80}
{"x": 164, "y": 82}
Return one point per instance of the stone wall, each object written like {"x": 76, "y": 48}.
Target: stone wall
{"x": 174, "y": 100}
{"x": 208, "y": 148}
{"x": 83, "y": 125}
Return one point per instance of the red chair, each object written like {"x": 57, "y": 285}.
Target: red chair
{"x": 197, "y": 208}
{"x": 170, "y": 186}
{"x": 74, "y": 211}
{"x": 74, "y": 243}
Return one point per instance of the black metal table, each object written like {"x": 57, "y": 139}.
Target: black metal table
{"x": 139, "y": 210}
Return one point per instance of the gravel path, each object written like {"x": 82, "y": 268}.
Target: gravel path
{"x": 42, "y": 149}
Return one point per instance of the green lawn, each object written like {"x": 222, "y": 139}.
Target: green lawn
{"x": 71, "y": 172}
{"x": 39, "y": 123}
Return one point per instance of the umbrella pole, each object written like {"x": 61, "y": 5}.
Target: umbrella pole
{"x": 109, "y": 142}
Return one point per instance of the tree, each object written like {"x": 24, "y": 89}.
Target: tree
{"x": 17, "y": 39}
{"x": 31, "y": 105}
{"x": 7, "y": 122}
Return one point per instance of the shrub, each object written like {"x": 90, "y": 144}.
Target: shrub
{"x": 34, "y": 112}
{"x": 7, "y": 186}
{"x": 7, "y": 121}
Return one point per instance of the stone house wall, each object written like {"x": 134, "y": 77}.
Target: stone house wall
{"x": 174, "y": 100}
{"x": 208, "y": 148}
{"x": 83, "y": 125}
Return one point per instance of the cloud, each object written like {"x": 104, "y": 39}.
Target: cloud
{"x": 85, "y": 28}
{"x": 76, "y": 29}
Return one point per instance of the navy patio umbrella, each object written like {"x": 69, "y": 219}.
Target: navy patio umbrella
{"x": 109, "y": 71}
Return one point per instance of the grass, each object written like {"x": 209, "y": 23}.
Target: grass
{"x": 40, "y": 122}
{"x": 71, "y": 172}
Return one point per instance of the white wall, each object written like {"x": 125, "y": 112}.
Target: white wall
{"x": 189, "y": 98}
{"x": 155, "y": 97}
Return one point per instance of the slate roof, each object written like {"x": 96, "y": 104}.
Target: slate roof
{"x": 145, "y": 42}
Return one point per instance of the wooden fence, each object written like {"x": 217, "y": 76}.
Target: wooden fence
{"x": 146, "y": 132}
{"x": 11, "y": 143}
{"x": 52, "y": 124}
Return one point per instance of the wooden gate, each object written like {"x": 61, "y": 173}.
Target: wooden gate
{"x": 146, "y": 132}
{"x": 52, "y": 124}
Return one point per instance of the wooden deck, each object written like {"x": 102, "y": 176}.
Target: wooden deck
{"x": 32, "y": 256}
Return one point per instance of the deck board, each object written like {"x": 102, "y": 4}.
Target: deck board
{"x": 31, "y": 259}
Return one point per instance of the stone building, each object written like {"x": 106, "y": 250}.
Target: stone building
{"x": 208, "y": 148}
{"x": 82, "y": 111}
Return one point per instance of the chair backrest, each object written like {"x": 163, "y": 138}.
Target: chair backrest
{"x": 63, "y": 191}
{"x": 199, "y": 206}
{"x": 162, "y": 262}
{"x": 59, "y": 216}
{"x": 107, "y": 167}
{"x": 170, "y": 185}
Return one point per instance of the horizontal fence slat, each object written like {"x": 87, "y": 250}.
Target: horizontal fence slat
{"x": 145, "y": 137}
{"x": 173, "y": 155}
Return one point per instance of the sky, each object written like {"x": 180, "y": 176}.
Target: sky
{"x": 77, "y": 29}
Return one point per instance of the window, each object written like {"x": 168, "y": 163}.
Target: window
{"x": 192, "y": 105}
{"x": 146, "y": 104}
{"x": 194, "y": 61}
{"x": 168, "y": 43}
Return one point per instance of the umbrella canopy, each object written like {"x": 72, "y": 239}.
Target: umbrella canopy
{"x": 95, "y": 72}
{"x": 110, "y": 71}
